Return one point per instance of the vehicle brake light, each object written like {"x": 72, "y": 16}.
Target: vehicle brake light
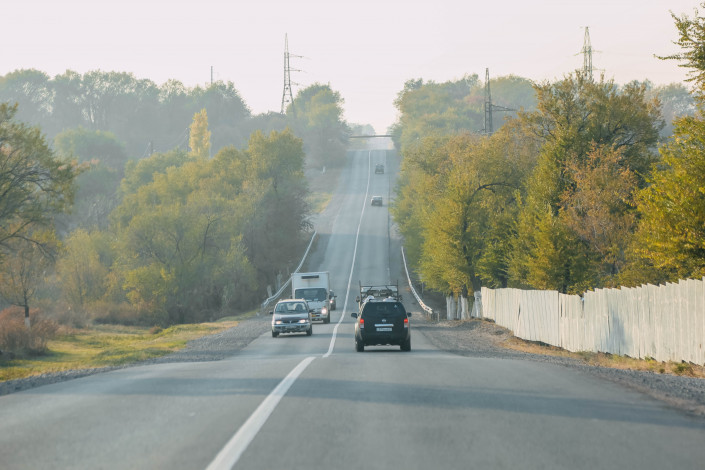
{"x": 362, "y": 322}
{"x": 406, "y": 323}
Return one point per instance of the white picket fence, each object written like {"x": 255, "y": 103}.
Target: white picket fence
{"x": 665, "y": 322}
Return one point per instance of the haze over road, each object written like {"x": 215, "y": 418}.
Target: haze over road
{"x": 335, "y": 408}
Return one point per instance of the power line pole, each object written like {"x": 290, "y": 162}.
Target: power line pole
{"x": 488, "y": 104}
{"x": 287, "y": 96}
{"x": 489, "y": 107}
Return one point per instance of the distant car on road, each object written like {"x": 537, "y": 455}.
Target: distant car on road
{"x": 382, "y": 322}
{"x": 291, "y": 316}
{"x": 379, "y": 169}
{"x": 376, "y": 200}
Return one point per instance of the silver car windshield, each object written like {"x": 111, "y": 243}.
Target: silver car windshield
{"x": 291, "y": 308}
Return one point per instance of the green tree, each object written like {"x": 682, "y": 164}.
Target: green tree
{"x": 228, "y": 114}
{"x": 691, "y": 39}
{"x": 279, "y": 210}
{"x": 32, "y": 91}
{"x": 89, "y": 146}
{"x": 575, "y": 117}
{"x": 202, "y": 236}
{"x": 316, "y": 115}
{"x": 25, "y": 268}
{"x": 670, "y": 240}
{"x": 105, "y": 157}
{"x": 599, "y": 211}
{"x": 436, "y": 108}
{"x": 676, "y": 101}
{"x": 671, "y": 234}
{"x": 82, "y": 271}
{"x": 34, "y": 184}
{"x": 142, "y": 172}
{"x": 455, "y": 204}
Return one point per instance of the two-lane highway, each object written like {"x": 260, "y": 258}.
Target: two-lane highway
{"x": 314, "y": 403}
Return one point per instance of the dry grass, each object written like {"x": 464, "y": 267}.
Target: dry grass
{"x": 16, "y": 338}
{"x": 105, "y": 345}
{"x": 608, "y": 360}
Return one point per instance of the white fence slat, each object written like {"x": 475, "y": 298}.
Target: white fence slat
{"x": 664, "y": 322}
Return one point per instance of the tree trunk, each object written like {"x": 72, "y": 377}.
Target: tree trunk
{"x": 26, "y": 315}
{"x": 450, "y": 307}
{"x": 464, "y": 314}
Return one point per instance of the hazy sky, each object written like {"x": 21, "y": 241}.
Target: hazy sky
{"x": 365, "y": 49}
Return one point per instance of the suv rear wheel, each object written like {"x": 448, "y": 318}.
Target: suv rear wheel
{"x": 406, "y": 345}
{"x": 359, "y": 346}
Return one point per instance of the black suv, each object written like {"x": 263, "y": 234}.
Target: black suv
{"x": 381, "y": 322}
{"x": 379, "y": 169}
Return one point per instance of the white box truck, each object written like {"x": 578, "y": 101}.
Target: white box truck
{"x": 315, "y": 289}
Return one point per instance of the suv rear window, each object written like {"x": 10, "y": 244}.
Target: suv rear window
{"x": 383, "y": 308}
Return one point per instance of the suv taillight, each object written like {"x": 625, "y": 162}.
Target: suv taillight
{"x": 406, "y": 322}
{"x": 362, "y": 322}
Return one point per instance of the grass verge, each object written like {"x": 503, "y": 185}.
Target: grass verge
{"x": 107, "y": 345}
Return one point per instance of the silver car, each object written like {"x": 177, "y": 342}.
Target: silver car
{"x": 291, "y": 316}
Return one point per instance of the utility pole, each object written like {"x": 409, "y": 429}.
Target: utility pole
{"x": 211, "y": 75}
{"x": 488, "y": 104}
{"x": 489, "y": 107}
{"x": 287, "y": 96}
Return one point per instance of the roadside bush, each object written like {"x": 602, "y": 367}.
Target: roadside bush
{"x": 116, "y": 313}
{"x": 17, "y": 338}
{"x": 71, "y": 317}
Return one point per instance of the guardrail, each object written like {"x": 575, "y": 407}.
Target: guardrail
{"x": 288, "y": 281}
{"x": 425, "y": 307}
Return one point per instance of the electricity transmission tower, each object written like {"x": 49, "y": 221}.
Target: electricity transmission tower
{"x": 287, "y": 96}
{"x": 489, "y": 107}
{"x": 587, "y": 55}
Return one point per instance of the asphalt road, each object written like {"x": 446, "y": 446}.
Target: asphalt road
{"x": 314, "y": 403}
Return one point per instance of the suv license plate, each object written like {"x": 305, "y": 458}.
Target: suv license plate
{"x": 384, "y": 329}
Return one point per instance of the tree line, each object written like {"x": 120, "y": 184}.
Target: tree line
{"x": 147, "y": 118}
{"x": 95, "y": 228}
{"x": 583, "y": 189}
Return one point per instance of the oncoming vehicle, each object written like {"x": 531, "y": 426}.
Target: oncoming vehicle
{"x": 382, "y": 322}
{"x": 379, "y": 169}
{"x": 291, "y": 316}
{"x": 314, "y": 288}
{"x": 332, "y": 300}
{"x": 376, "y": 200}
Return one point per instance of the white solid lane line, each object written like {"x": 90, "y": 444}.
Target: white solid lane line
{"x": 230, "y": 454}
{"x": 352, "y": 267}
{"x": 233, "y": 450}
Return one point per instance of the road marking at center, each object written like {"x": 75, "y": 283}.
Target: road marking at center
{"x": 231, "y": 453}
{"x": 236, "y": 446}
{"x": 352, "y": 265}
